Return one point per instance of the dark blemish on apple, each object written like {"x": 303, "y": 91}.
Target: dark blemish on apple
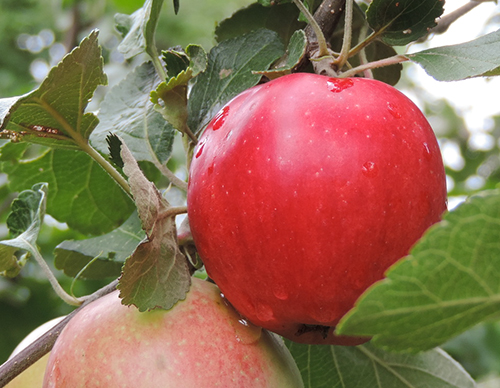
{"x": 304, "y": 328}
{"x": 336, "y": 85}
{"x": 220, "y": 118}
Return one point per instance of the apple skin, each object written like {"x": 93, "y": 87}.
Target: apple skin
{"x": 200, "y": 342}
{"x": 304, "y": 190}
{"x": 33, "y": 376}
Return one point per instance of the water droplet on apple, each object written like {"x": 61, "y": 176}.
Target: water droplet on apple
{"x": 246, "y": 332}
{"x": 220, "y": 118}
{"x": 427, "y": 152}
{"x": 393, "y": 111}
{"x": 200, "y": 150}
{"x": 336, "y": 85}
{"x": 264, "y": 312}
{"x": 280, "y": 292}
{"x": 370, "y": 169}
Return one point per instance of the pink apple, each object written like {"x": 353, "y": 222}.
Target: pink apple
{"x": 33, "y": 376}
{"x": 304, "y": 190}
{"x": 201, "y": 342}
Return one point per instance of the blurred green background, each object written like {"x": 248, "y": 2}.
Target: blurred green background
{"x": 35, "y": 35}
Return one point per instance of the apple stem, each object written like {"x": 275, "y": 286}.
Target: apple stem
{"x": 373, "y": 65}
{"x": 346, "y": 43}
{"x": 322, "y": 45}
{"x": 363, "y": 59}
{"x": 69, "y": 299}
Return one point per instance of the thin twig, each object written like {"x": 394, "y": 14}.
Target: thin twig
{"x": 374, "y": 65}
{"x": 346, "y": 44}
{"x": 32, "y": 353}
{"x": 447, "y": 20}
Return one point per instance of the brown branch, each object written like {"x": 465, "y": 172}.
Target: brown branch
{"x": 328, "y": 16}
{"x": 28, "y": 356}
{"x": 447, "y": 20}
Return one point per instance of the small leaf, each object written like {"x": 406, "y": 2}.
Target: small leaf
{"x": 176, "y": 61}
{"x": 156, "y": 275}
{"x": 114, "y": 147}
{"x": 170, "y": 99}
{"x": 128, "y": 112}
{"x": 229, "y": 72}
{"x": 111, "y": 249}
{"x": 403, "y": 21}
{"x": 480, "y": 57}
{"x": 54, "y": 114}
{"x": 197, "y": 58}
{"x": 139, "y": 29}
{"x": 176, "y": 6}
{"x": 449, "y": 283}
{"x": 24, "y": 222}
{"x": 294, "y": 53}
{"x": 82, "y": 194}
{"x": 366, "y": 366}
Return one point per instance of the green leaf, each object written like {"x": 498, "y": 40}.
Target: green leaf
{"x": 480, "y": 57}
{"x": 128, "y": 112}
{"x": 176, "y": 6}
{"x": 197, "y": 58}
{"x": 281, "y": 18}
{"x": 111, "y": 249}
{"x": 156, "y": 275}
{"x": 139, "y": 29}
{"x": 366, "y": 366}
{"x": 54, "y": 114}
{"x": 24, "y": 223}
{"x": 82, "y": 194}
{"x": 449, "y": 283}
{"x": 294, "y": 53}
{"x": 229, "y": 72}
{"x": 400, "y": 22}
{"x": 177, "y": 60}
{"x": 478, "y": 349}
{"x": 170, "y": 99}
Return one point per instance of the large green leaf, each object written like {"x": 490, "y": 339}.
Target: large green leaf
{"x": 82, "y": 194}
{"x": 109, "y": 251}
{"x": 366, "y": 366}
{"x": 139, "y": 29}
{"x": 54, "y": 114}
{"x": 480, "y": 57}
{"x": 281, "y": 18}
{"x": 449, "y": 283}
{"x": 229, "y": 72}
{"x": 156, "y": 275}
{"x": 400, "y": 22}
{"x": 128, "y": 112}
{"x": 24, "y": 223}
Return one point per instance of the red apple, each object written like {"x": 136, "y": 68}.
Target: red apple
{"x": 200, "y": 342}
{"x": 304, "y": 190}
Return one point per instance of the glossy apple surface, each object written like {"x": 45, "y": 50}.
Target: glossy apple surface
{"x": 304, "y": 190}
{"x": 199, "y": 343}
